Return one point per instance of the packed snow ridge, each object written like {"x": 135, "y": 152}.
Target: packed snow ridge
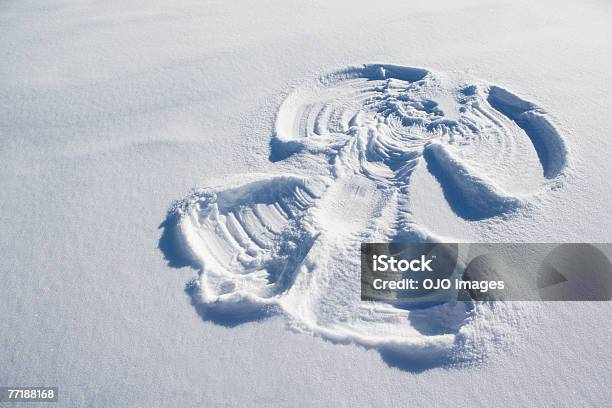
{"x": 290, "y": 244}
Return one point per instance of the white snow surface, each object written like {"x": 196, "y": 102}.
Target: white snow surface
{"x": 290, "y": 244}
{"x": 293, "y": 131}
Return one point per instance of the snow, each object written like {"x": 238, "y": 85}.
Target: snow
{"x": 112, "y": 111}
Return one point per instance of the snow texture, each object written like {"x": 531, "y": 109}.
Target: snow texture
{"x": 110, "y": 111}
{"x": 290, "y": 244}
